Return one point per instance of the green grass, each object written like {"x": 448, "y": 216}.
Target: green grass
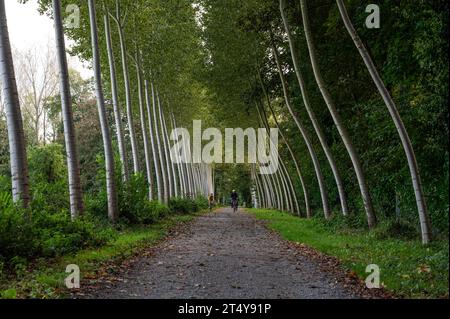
{"x": 407, "y": 268}
{"x": 45, "y": 278}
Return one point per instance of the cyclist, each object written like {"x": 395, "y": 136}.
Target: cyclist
{"x": 234, "y": 200}
{"x": 211, "y": 201}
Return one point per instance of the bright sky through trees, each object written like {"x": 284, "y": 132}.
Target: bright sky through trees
{"x": 39, "y": 35}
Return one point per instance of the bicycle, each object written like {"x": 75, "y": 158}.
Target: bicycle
{"x": 234, "y": 205}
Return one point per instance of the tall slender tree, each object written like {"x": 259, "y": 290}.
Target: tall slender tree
{"x": 163, "y": 186}
{"x": 425, "y": 224}
{"x": 73, "y": 166}
{"x": 156, "y": 164}
{"x": 345, "y": 136}
{"x": 286, "y": 142}
{"x": 312, "y": 115}
{"x": 143, "y": 120}
{"x": 17, "y": 150}
{"x": 113, "y": 210}
{"x": 305, "y": 136}
{"x": 115, "y": 100}
{"x": 169, "y": 154}
{"x": 165, "y": 148}
{"x": 121, "y": 21}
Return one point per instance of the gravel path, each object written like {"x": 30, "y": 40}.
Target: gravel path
{"x": 224, "y": 255}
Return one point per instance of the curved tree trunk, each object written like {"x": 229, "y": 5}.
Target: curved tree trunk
{"x": 291, "y": 152}
{"x": 284, "y": 173}
{"x": 126, "y": 78}
{"x": 158, "y": 143}
{"x": 269, "y": 190}
{"x": 148, "y": 165}
{"x": 113, "y": 210}
{"x": 178, "y": 160}
{"x": 17, "y": 149}
{"x": 262, "y": 195}
{"x": 115, "y": 101}
{"x": 152, "y": 142}
{"x": 312, "y": 153}
{"x": 404, "y": 137}
{"x": 312, "y": 115}
{"x": 73, "y": 166}
{"x": 296, "y": 164}
{"x": 367, "y": 200}
{"x": 169, "y": 155}
{"x": 183, "y": 167}
{"x": 285, "y": 176}
{"x": 166, "y": 149}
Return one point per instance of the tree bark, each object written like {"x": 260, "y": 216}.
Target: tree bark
{"x": 291, "y": 152}
{"x": 312, "y": 153}
{"x": 346, "y": 138}
{"x": 113, "y": 210}
{"x": 158, "y": 143}
{"x": 165, "y": 149}
{"x": 115, "y": 101}
{"x": 152, "y": 141}
{"x": 17, "y": 148}
{"x": 178, "y": 159}
{"x": 425, "y": 224}
{"x": 312, "y": 116}
{"x": 169, "y": 154}
{"x": 73, "y": 166}
{"x": 143, "y": 120}
{"x": 288, "y": 185}
{"x": 126, "y": 78}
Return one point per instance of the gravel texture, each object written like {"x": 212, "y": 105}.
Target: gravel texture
{"x": 224, "y": 255}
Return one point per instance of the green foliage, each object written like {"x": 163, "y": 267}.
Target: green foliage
{"x": 26, "y": 234}
{"x": 134, "y": 206}
{"x": 46, "y": 229}
{"x": 187, "y": 205}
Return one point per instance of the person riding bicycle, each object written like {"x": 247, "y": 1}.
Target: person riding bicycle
{"x": 234, "y": 199}
{"x": 210, "y": 201}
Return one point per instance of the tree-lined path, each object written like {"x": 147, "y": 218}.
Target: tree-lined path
{"x": 178, "y": 110}
{"x": 224, "y": 255}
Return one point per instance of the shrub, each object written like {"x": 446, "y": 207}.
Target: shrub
{"x": 16, "y": 236}
{"x": 25, "y": 234}
{"x": 395, "y": 228}
{"x": 180, "y": 205}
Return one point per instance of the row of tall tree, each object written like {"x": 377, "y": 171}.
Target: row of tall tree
{"x": 165, "y": 179}
{"x": 265, "y": 54}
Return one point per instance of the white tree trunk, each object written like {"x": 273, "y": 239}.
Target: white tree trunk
{"x": 17, "y": 149}
{"x": 126, "y": 78}
{"x": 113, "y": 210}
{"x": 291, "y": 152}
{"x": 160, "y": 151}
{"x": 165, "y": 149}
{"x": 404, "y": 137}
{"x": 73, "y": 166}
{"x": 169, "y": 156}
{"x": 143, "y": 120}
{"x": 312, "y": 152}
{"x": 115, "y": 101}
{"x": 365, "y": 194}
{"x": 312, "y": 116}
{"x": 178, "y": 159}
{"x": 152, "y": 142}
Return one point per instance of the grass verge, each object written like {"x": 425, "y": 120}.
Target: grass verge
{"x": 407, "y": 268}
{"x": 45, "y": 278}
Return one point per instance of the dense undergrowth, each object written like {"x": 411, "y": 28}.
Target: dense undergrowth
{"x": 45, "y": 230}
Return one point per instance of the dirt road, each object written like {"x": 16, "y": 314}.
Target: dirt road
{"x": 224, "y": 255}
